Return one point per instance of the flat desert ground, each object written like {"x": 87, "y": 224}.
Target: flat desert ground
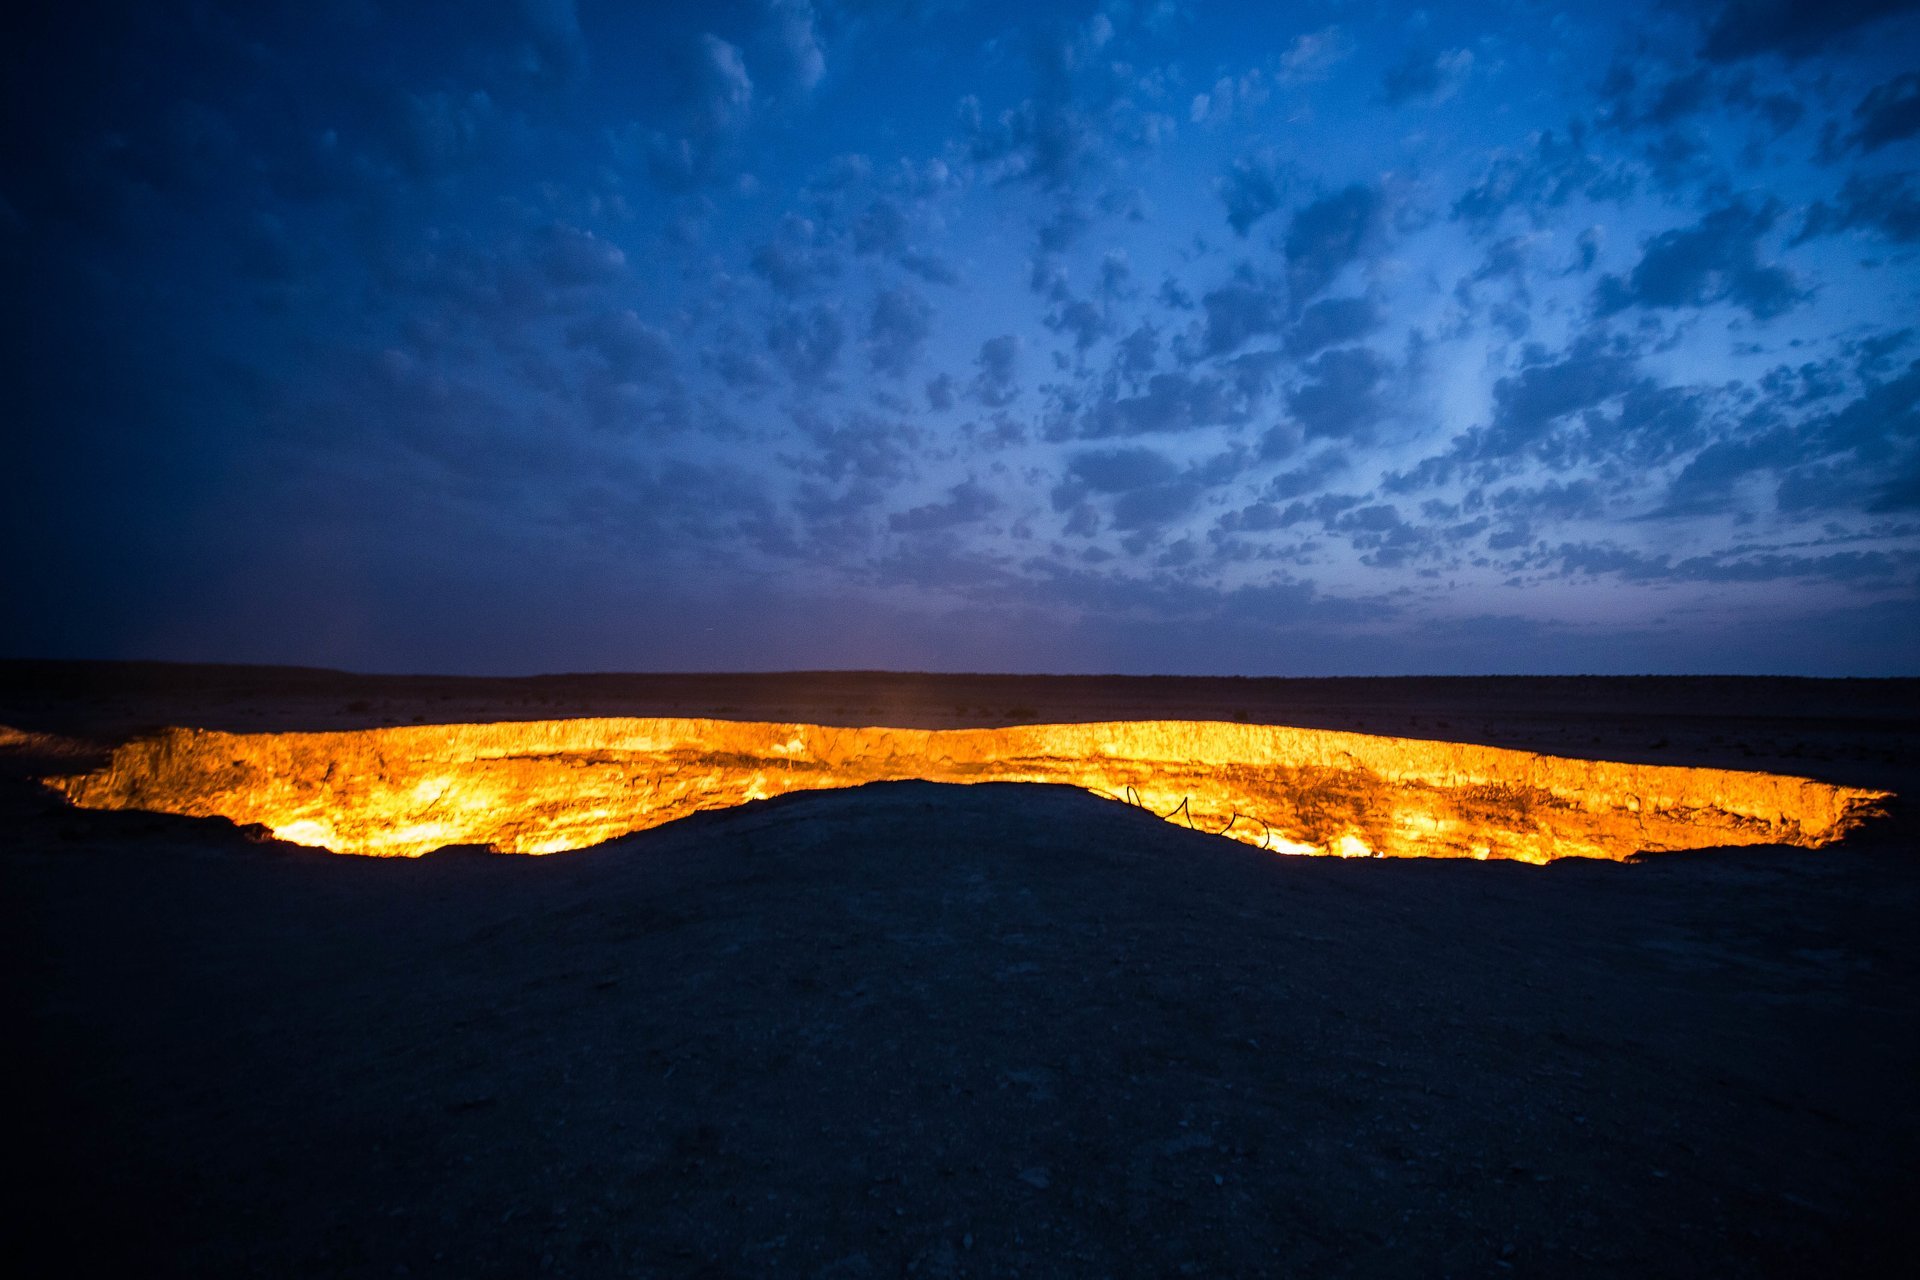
{"x": 919, "y": 1030}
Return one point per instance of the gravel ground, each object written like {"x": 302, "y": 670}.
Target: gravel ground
{"x": 942, "y": 1031}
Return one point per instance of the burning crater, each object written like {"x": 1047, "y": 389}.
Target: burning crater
{"x": 546, "y": 786}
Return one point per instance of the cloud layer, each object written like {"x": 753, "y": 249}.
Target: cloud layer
{"x": 1137, "y": 335}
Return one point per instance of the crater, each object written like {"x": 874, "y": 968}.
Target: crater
{"x": 547, "y": 786}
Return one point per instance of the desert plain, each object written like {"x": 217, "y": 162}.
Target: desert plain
{"x": 995, "y": 1030}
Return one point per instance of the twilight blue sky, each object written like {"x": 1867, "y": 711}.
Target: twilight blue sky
{"x": 1146, "y": 335}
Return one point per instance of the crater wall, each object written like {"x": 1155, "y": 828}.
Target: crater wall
{"x": 547, "y": 786}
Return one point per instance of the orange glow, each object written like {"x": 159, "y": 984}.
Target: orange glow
{"x": 547, "y": 786}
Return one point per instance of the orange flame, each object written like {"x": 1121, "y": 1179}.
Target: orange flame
{"x": 547, "y": 786}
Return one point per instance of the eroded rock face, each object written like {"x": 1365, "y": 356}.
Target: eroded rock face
{"x": 546, "y": 786}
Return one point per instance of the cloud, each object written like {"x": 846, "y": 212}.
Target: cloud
{"x": 795, "y": 260}
{"x": 1331, "y": 322}
{"x": 1862, "y": 456}
{"x": 862, "y": 447}
{"x": 1870, "y": 569}
{"x": 881, "y": 229}
{"x": 1239, "y": 312}
{"x": 1525, "y": 404}
{"x": 1341, "y": 397}
{"x": 1427, "y": 76}
{"x": 996, "y": 371}
{"x": 968, "y": 502}
{"x": 1716, "y": 260}
{"x": 1172, "y": 402}
{"x": 807, "y": 341}
{"x": 716, "y": 100}
{"x": 1313, "y": 55}
{"x": 1889, "y": 113}
{"x": 572, "y": 257}
{"x": 1046, "y": 139}
{"x": 1308, "y": 476}
{"x": 1886, "y": 204}
{"x": 633, "y": 350}
{"x": 1136, "y": 354}
{"x": 1111, "y": 471}
{"x": 793, "y": 44}
{"x": 1676, "y": 100}
{"x": 553, "y": 29}
{"x": 1556, "y": 168}
{"x": 1792, "y": 29}
{"x": 1151, "y": 508}
{"x": 1326, "y": 235}
{"x": 441, "y": 133}
{"x": 898, "y": 329}
{"x": 1252, "y": 189}
{"x": 940, "y": 392}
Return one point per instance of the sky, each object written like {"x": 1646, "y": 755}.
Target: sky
{"x": 1146, "y": 336}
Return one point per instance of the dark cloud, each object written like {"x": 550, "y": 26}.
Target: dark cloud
{"x": 1793, "y": 29}
{"x": 1861, "y": 456}
{"x": 796, "y": 260}
{"x": 1085, "y": 320}
{"x": 1529, "y": 407}
{"x": 1556, "y": 500}
{"x": 1172, "y": 402}
{"x": 1525, "y": 404}
{"x": 1150, "y": 508}
{"x": 1308, "y": 476}
{"x": 1425, "y": 75}
{"x": 1672, "y": 101}
{"x": 1135, "y": 355}
{"x": 441, "y": 133}
{"x": 1111, "y": 471}
{"x": 571, "y": 256}
{"x": 790, "y": 45}
{"x": 739, "y": 366}
{"x": 1253, "y": 188}
{"x": 1148, "y": 490}
{"x": 1875, "y": 568}
{"x": 714, "y": 102}
{"x": 632, "y": 349}
{"x": 1589, "y": 246}
{"x": 807, "y": 341}
{"x": 1331, "y": 322}
{"x": 940, "y": 392}
{"x": 1050, "y": 139}
{"x": 1239, "y": 312}
{"x": 996, "y": 371}
{"x": 968, "y": 502}
{"x": 1063, "y": 228}
{"x": 897, "y": 330}
{"x": 1889, "y": 113}
{"x": 1780, "y": 109}
{"x": 861, "y": 447}
{"x": 881, "y": 229}
{"x": 1556, "y": 168}
{"x": 1886, "y": 204}
{"x": 1327, "y": 235}
{"x": 1715, "y": 260}
{"x": 1341, "y": 398}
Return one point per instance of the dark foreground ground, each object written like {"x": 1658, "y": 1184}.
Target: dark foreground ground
{"x": 918, "y": 1030}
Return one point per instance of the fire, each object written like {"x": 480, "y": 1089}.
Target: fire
{"x": 548, "y": 786}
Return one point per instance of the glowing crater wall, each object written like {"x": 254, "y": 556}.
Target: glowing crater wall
{"x": 546, "y": 786}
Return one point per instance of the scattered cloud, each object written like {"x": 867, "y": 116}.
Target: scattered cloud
{"x": 1715, "y": 260}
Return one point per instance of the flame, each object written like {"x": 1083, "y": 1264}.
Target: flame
{"x": 548, "y": 786}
